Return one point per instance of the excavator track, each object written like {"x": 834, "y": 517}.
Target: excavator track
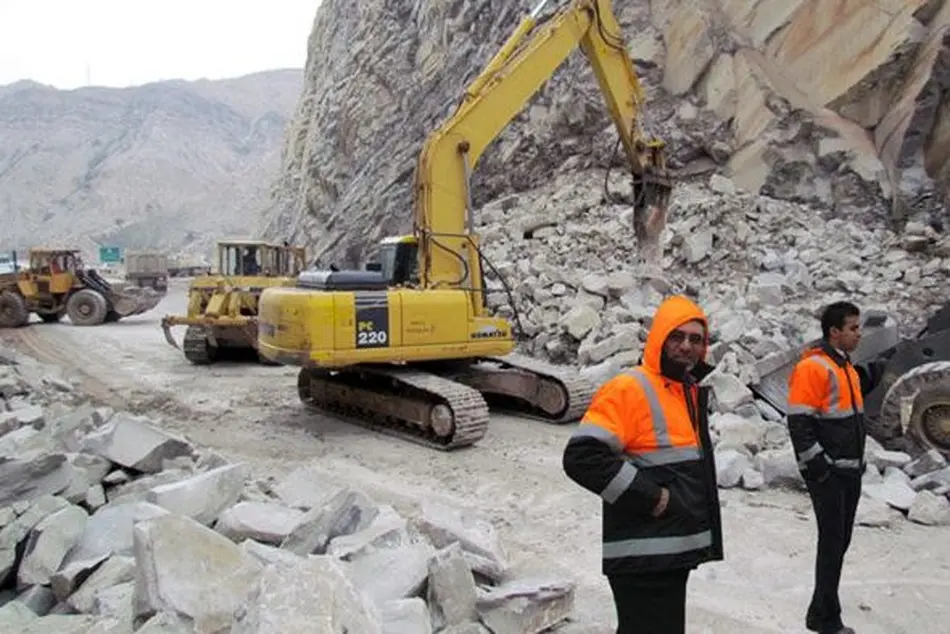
{"x": 196, "y": 347}
{"x": 535, "y": 389}
{"x": 409, "y": 404}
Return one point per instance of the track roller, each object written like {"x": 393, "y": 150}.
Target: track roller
{"x": 409, "y": 404}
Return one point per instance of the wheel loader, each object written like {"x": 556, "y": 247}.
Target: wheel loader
{"x": 57, "y": 283}
{"x": 222, "y": 306}
{"x": 907, "y": 407}
{"x": 411, "y": 350}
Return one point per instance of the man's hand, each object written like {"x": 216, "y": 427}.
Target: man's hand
{"x": 661, "y": 505}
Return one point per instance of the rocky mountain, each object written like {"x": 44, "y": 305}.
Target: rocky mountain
{"x": 172, "y": 164}
{"x": 839, "y": 104}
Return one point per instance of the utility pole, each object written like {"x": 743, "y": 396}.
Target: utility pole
{"x": 88, "y": 74}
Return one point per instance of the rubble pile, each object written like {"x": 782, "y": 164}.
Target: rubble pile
{"x": 761, "y": 268}
{"x": 110, "y": 525}
{"x": 753, "y": 451}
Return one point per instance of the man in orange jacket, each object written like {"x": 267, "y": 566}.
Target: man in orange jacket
{"x": 826, "y": 425}
{"x": 644, "y": 447}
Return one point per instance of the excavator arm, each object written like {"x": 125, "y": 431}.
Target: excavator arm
{"x": 448, "y": 246}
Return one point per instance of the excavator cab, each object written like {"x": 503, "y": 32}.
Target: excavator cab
{"x": 399, "y": 261}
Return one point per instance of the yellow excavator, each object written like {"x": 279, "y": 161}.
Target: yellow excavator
{"x": 410, "y": 349}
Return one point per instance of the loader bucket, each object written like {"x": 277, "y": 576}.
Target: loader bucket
{"x": 135, "y": 301}
{"x": 126, "y": 299}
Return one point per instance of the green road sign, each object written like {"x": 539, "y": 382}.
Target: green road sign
{"x": 110, "y": 254}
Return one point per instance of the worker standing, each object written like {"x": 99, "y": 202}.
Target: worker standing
{"x": 826, "y": 424}
{"x": 644, "y": 447}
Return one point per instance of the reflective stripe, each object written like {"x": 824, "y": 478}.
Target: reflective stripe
{"x": 664, "y": 453}
{"x": 657, "y": 417}
{"x": 647, "y": 546}
{"x": 803, "y": 462}
{"x": 619, "y": 483}
{"x": 848, "y": 463}
{"x": 835, "y": 411}
{"x": 811, "y": 452}
{"x": 590, "y": 430}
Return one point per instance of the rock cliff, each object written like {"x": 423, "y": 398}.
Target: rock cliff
{"x": 842, "y": 104}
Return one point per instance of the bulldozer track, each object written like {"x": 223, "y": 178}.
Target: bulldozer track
{"x": 382, "y": 399}
{"x": 578, "y": 390}
{"x": 196, "y": 347}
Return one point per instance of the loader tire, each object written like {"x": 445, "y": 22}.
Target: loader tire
{"x": 929, "y": 423}
{"x": 927, "y": 386}
{"x": 13, "y": 312}
{"x": 86, "y": 308}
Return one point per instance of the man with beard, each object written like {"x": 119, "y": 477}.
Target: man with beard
{"x": 643, "y": 446}
{"x": 826, "y": 425}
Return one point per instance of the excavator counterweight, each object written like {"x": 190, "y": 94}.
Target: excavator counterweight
{"x": 410, "y": 349}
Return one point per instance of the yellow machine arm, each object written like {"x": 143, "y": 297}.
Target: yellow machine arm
{"x": 448, "y": 247}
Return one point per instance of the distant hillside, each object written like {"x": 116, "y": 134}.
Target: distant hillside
{"x": 172, "y": 164}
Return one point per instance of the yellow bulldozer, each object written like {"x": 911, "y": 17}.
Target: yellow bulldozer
{"x": 55, "y": 282}
{"x": 411, "y": 350}
{"x": 222, "y": 306}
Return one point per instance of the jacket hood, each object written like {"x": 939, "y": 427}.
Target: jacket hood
{"x": 670, "y": 315}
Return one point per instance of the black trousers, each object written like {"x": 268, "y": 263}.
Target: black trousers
{"x": 835, "y": 502}
{"x": 651, "y": 603}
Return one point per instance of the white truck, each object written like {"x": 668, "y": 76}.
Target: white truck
{"x": 147, "y": 268}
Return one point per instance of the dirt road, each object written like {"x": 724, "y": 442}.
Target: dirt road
{"x": 895, "y": 581}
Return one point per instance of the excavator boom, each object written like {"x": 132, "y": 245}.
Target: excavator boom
{"x": 443, "y": 214}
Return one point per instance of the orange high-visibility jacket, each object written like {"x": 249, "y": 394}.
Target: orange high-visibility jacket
{"x": 643, "y": 431}
{"x": 826, "y": 414}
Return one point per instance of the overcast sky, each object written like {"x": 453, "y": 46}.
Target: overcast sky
{"x": 130, "y": 42}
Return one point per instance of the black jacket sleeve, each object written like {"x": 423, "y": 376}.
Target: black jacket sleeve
{"x": 594, "y": 457}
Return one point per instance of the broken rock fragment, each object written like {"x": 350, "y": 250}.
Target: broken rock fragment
{"x": 30, "y": 476}
{"x": 204, "y": 496}
{"x": 184, "y": 568}
{"x": 452, "y": 591}
{"x": 390, "y": 573}
{"x": 481, "y": 545}
{"x": 526, "y": 606}
{"x": 311, "y": 595}
{"x": 48, "y": 543}
{"x": 265, "y": 522}
{"x": 134, "y": 443}
{"x": 405, "y": 616}
{"x": 345, "y": 513}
